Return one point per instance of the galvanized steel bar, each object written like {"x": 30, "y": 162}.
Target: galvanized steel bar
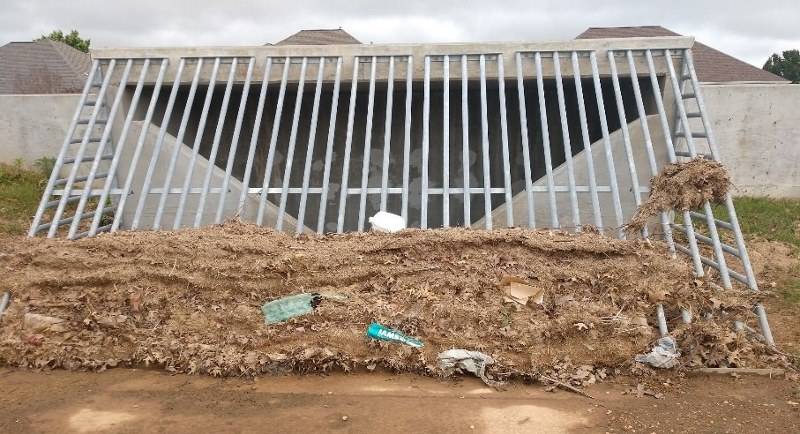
{"x": 426, "y": 116}
{"x": 312, "y": 137}
{"x": 187, "y": 180}
{"x": 273, "y": 142}
{"x": 234, "y": 146}
{"x": 81, "y": 149}
{"x": 151, "y": 167}
{"x": 37, "y": 219}
{"x": 526, "y": 155}
{"x": 387, "y": 134}
{"x": 465, "y": 139}
{"x": 90, "y": 178}
{"x": 212, "y": 159}
{"x": 487, "y": 180}
{"x": 764, "y": 325}
{"x": 362, "y": 204}
{"x": 347, "y": 144}
{"x": 446, "y": 141}
{"x": 248, "y": 168}
{"x": 162, "y": 200}
{"x": 612, "y": 172}
{"x": 562, "y": 109}
{"x": 323, "y": 201}
{"x": 661, "y": 320}
{"x": 501, "y": 83}
{"x": 648, "y": 143}
{"x": 587, "y": 144}
{"x": 548, "y": 162}
{"x": 287, "y": 171}
{"x": 407, "y": 138}
{"x": 712, "y": 227}
{"x": 114, "y": 165}
{"x": 626, "y": 138}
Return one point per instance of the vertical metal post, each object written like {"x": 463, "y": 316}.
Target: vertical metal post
{"x": 612, "y": 172}
{"x": 312, "y": 137}
{"x": 347, "y": 144}
{"x": 187, "y": 180}
{"x": 151, "y": 167}
{"x": 323, "y": 201}
{"x": 362, "y": 204}
{"x": 51, "y": 182}
{"x": 187, "y": 109}
{"x": 54, "y": 224}
{"x": 137, "y": 153}
{"x": 587, "y": 144}
{"x": 101, "y": 147}
{"x": 273, "y": 142}
{"x": 262, "y": 98}
{"x": 487, "y": 180}
{"x": 426, "y": 116}
{"x": 562, "y": 109}
{"x": 446, "y": 141}
{"x": 548, "y": 162}
{"x": 501, "y": 90}
{"x": 526, "y": 153}
{"x": 387, "y": 134}
{"x": 623, "y": 122}
{"x": 212, "y": 159}
{"x": 234, "y": 146}
{"x": 287, "y": 171}
{"x": 407, "y": 138}
{"x": 112, "y": 170}
{"x": 465, "y": 139}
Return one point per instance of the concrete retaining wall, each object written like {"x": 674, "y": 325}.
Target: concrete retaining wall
{"x": 757, "y": 127}
{"x": 34, "y": 126}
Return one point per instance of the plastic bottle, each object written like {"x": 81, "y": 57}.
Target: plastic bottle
{"x": 383, "y": 333}
{"x": 289, "y": 307}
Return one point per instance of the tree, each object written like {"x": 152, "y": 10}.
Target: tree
{"x": 73, "y": 39}
{"x": 787, "y": 65}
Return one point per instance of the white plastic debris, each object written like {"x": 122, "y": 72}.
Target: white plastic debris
{"x": 469, "y": 361}
{"x": 664, "y": 355}
{"x": 387, "y": 222}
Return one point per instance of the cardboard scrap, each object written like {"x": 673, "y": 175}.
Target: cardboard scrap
{"x": 517, "y": 290}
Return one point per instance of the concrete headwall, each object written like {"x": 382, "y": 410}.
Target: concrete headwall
{"x": 34, "y": 126}
{"x": 757, "y": 127}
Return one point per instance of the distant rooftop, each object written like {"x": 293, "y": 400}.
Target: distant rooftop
{"x": 42, "y": 67}
{"x": 712, "y": 65}
{"x": 320, "y": 37}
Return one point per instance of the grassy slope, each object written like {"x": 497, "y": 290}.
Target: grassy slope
{"x": 20, "y": 192}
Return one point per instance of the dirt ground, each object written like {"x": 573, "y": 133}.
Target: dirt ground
{"x": 126, "y": 401}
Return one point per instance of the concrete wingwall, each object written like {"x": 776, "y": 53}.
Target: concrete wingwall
{"x": 757, "y": 128}
{"x": 34, "y": 126}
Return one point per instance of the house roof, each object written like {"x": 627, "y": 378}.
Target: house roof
{"x": 42, "y": 67}
{"x": 711, "y": 65}
{"x": 320, "y": 37}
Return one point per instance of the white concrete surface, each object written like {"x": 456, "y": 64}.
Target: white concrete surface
{"x": 757, "y": 127}
{"x": 34, "y": 126}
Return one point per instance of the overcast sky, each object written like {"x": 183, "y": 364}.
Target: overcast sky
{"x": 750, "y": 30}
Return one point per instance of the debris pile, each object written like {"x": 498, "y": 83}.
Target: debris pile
{"x": 572, "y": 308}
{"x": 683, "y": 186}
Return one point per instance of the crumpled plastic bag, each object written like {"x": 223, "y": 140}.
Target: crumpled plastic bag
{"x": 467, "y": 361}
{"x": 664, "y": 355}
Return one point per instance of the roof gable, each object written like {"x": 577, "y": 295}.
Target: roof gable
{"x": 711, "y": 64}
{"x": 42, "y": 67}
{"x": 320, "y": 37}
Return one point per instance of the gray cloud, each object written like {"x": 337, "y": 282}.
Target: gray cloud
{"x": 736, "y": 27}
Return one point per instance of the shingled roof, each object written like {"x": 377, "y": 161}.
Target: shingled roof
{"x": 712, "y": 65}
{"x": 320, "y": 37}
{"x": 42, "y": 67}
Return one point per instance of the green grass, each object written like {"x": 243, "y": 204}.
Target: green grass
{"x": 20, "y": 192}
{"x": 770, "y": 219}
